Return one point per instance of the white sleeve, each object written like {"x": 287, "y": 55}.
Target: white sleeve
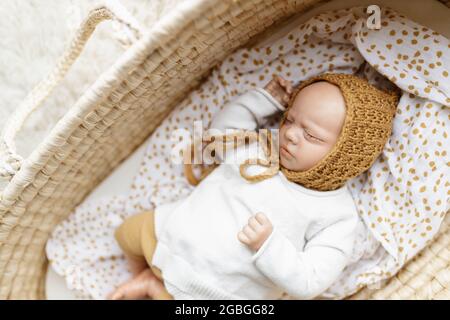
{"x": 306, "y": 274}
{"x": 249, "y": 111}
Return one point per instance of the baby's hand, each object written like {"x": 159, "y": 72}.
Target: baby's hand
{"x": 256, "y": 231}
{"x": 280, "y": 89}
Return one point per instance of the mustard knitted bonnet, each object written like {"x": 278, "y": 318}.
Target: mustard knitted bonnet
{"x": 367, "y": 127}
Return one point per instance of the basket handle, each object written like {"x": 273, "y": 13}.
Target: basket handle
{"x": 10, "y": 161}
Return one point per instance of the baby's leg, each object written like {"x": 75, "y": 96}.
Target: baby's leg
{"x": 136, "y": 237}
{"x": 128, "y": 236}
{"x": 136, "y": 264}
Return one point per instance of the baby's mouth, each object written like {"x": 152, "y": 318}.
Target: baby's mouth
{"x": 284, "y": 151}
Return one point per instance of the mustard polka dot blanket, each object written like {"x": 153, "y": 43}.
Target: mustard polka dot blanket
{"x": 402, "y": 199}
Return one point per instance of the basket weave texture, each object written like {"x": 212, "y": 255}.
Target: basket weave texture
{"x": 116, "y": 115}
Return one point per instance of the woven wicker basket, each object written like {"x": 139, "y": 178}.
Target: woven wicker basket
{"x": 118, "y": 112}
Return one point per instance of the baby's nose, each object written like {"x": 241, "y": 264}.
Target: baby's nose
{"x": 292, "y": 136}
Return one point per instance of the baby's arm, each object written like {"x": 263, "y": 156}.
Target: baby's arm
{"x": 250, "y": 110}
{"x": 305, "y": 275}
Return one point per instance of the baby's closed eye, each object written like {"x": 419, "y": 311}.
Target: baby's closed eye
{"x": 309, "y": 136}
{"x": 306, "y": 133}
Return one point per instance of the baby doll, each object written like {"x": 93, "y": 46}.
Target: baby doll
{"x": 290, "y": 232}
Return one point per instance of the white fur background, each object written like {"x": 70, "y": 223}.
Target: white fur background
{"x": 33, "y": 35}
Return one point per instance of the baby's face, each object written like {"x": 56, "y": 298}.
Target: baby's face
{"x": 312, "y": 126}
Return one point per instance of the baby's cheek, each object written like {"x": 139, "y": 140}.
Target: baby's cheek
{"x": 297, "y": 156}
{"x": 307, "y": 156}
{"x": 296, "y": 162}
{"x": 318, "y": 154}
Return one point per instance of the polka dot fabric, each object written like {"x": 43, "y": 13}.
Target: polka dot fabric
{"x": 402, "y": 198}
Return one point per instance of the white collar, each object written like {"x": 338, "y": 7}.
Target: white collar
{"x": 312, "y": 192}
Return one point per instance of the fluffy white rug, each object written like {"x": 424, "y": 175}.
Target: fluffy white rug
{"x": 33, "y": 35}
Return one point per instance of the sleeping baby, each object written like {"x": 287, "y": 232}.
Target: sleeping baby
{"x": 284, "y": 224}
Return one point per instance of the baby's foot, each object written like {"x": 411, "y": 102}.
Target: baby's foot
{"x": 144, "y": 285}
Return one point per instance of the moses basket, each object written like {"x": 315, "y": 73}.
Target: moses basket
{"x": 118, "y": 113}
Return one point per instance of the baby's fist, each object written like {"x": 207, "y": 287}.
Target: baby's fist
{"x": 257, "y": 230}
